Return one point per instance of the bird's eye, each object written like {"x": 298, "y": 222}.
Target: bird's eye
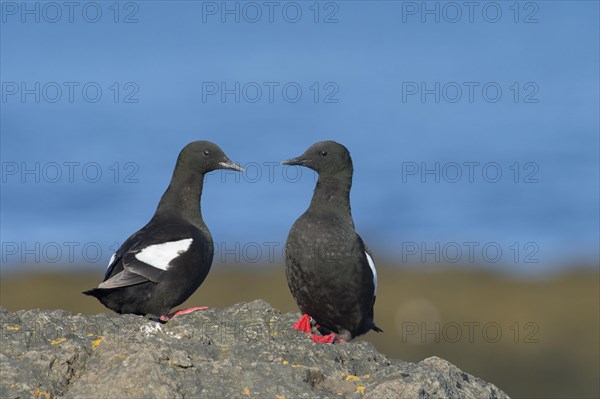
{"x": 207, "y": 153}
{"x": 324, "y": 153}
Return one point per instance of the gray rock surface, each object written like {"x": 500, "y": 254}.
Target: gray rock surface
{"x": 246, "y": 350}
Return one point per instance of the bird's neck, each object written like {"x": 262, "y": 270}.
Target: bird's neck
{"x": 333, "y": 193}
{"x": 182, "y": 198}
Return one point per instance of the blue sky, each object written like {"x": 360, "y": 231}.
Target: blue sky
{"x": 515, "y": 92}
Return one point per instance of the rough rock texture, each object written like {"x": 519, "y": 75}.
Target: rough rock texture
{"x": 246, "y": 350}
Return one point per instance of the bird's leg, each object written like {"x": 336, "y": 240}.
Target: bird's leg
{"x": 165, "y": 318}
{"x": 303, "y": 324}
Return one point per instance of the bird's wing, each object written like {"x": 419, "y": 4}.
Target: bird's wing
{"x": 114, "y": 265}
{"x": 374, "y": 274}
{"x": 123, "y": 279}
{"x": 144, "y": 257}
{"x": 371, "y": 263}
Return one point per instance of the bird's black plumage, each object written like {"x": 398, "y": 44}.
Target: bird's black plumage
{"x": 327, "y": 262}
{"x": 163, "y": 263}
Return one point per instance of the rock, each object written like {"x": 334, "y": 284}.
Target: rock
{"x": 246, "y": 350}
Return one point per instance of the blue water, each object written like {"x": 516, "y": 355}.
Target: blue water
{"x": 393, "y": 89}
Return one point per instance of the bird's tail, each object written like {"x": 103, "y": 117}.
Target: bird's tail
{"x": 95, "y": 292}
{"x": 376, "y": 329}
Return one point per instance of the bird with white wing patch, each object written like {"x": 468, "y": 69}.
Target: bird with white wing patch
{"x": 329, "y": 270}
{"x": 163, "y": 263}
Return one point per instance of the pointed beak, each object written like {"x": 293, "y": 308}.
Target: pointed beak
{"x": 229, "y": 164}
{"x": 295, "y": 161}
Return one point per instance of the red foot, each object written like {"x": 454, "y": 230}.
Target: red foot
{"x": 325, "y": 339}
{"x": 180, "y": 312}
{"x": 303, "y": 324}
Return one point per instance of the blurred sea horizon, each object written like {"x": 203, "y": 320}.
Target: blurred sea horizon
{"x": 526, "y": 228}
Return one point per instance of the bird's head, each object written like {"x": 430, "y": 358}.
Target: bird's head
{"x": 205, "y": 156}
{"x": 327, "y": 158}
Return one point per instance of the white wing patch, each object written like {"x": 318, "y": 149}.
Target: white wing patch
{"x": 160, "y": 255}
{"x": 112, "y": 259}
{"x": 372, "y": 266}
